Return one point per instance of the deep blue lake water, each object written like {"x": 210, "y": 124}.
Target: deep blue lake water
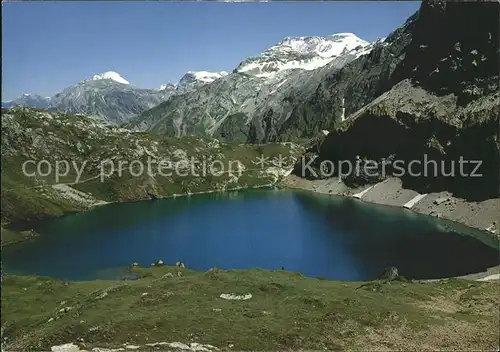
{"x": 317, "y": 235}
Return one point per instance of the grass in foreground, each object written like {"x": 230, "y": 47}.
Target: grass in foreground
{"x": 287, "y": 311}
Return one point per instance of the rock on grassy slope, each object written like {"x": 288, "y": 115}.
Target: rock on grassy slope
{"x": 285, "y": 312}
{"x": 93, "y": 147}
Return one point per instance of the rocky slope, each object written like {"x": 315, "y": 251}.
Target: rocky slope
{"x": 271, "y": 83}
{"x": 93, "y": 151}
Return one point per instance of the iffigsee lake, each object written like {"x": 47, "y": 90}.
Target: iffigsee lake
{"x": 316, "y": 235}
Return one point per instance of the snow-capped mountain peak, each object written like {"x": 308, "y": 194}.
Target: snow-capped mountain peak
{"x": 306, "y": 53}
{"x": 110, "y": 75}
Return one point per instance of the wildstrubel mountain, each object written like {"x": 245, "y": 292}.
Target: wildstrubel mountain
{"x": 110, "y": 97}
{"x": 436, "y": 91}
{"x": 275, "y": 81}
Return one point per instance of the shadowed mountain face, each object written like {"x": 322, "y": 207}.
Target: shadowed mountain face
{"x": 444, "y": 102}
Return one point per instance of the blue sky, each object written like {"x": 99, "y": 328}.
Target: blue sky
{"x": 48, "y": 46}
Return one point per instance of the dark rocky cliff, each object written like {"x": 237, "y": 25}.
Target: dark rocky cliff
{"x": 444, "y": 102}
